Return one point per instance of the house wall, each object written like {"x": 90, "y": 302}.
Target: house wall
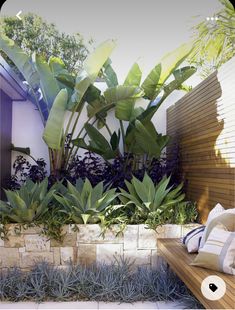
{"x": 27, "y": 130}
{"x": 5, "y": 139}
{"x": 202, "y": 124}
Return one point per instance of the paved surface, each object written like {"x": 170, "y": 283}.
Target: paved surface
{"x": 91, "y": 305}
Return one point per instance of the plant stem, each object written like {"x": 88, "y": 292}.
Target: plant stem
{"x": 72, "y": 148}
{"x": 123, "y": 135}
{"x": 106, "y": 125}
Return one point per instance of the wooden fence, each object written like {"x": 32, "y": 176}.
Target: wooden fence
{"x": 202, "y": 125}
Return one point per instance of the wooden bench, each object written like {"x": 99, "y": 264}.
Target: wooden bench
{"x": 179, "y": 260}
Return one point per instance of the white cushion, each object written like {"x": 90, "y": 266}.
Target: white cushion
{"x": 219, "y": 217}
{"x": 218, "y": 252}
{"x": 218, "y": 209}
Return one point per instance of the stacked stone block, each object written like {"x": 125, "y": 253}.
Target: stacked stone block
{"x": 83, "y": 244}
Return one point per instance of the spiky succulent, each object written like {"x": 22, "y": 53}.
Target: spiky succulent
{"x": 149, "y": 199}
{"x": 84, "y": 203}
{"x": 28, "y": 203}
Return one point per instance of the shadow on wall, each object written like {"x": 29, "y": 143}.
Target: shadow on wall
{"x": 202, "y": 124}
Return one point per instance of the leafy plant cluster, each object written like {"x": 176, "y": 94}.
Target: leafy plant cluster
{"x": 214, "y": 41}
{"x": 33, "y": 34}
{"x": 134, "y": 104}
{"x": 82, "y": 203}
{"x": 135, "y": 148}
{"x": 116, "y": 282}
{"x": 95, "y": 169}
{"x": 24, "y": 170}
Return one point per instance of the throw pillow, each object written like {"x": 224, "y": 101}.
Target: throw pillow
{"x": 218, "y": 252}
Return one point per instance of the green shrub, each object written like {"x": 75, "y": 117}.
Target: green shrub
{"x": 149, "y": 201}
{"x": 84, "y": 204}
{"x": 27, "y": 204}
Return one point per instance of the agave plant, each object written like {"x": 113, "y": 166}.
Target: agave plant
{"x": 151, "y": 200}
{"x": 84, "y": 203}
{"x": 27, "y": 204}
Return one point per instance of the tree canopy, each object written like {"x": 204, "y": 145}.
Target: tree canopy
{"x": 33, "y": 34}
{"x": 214, "y": 40}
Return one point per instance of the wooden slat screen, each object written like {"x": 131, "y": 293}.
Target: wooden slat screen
{"x": 202, "y": 125}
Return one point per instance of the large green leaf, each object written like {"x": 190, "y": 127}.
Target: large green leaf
{"x": 91, "y": 68}
{"x": 146, "y": 140}
{"x": 96, "y": 103}
{"x": 57, "y": 66}
{"x": 171, "y": 61}
{"x": 121, "y": 92}
{"x": 48, "y": 83}
{"x": 125, "y": 108}
{"x": 20, "y": 59}
{"x": 97, "y": 144}
{"x": 122, "y": 96}
{"x": 134, "y": 76}
{"x": 109, "y": 74}
{"x": 151, "y": 82}
{"x": 53, "y": 131}
{"x": 97, "y": 138}
{"x": 150, "y": 187}
{"x": 154, "y": 82}
{"x": 180, "y": 75}
{"x": 98, "y": 108}
{"x": 95, "y": 61}
{"x": 62, "y": 75}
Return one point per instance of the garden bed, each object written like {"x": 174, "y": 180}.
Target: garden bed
{"x": 83, "y": 244}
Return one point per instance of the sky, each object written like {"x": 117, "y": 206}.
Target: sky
{"x": 144, "y": 30}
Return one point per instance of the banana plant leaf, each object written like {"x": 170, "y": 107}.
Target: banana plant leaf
{"x": 155, "y": 80}
{"x": 122, "y": 94}
{"x": 150, "y": 84}
{"x": 97, "y": 144}
{"x": 63, "y": 77}
{"x": 148, "y": 140}
{"x": 124, "y": 109}
{"x": 91, "y": 68}
{"x": 21, "y": 60}
{"x": 171, "y": 61}
{"x": 180, "y": 75}
{"x": 96, "y": 105}
{"x": 48, "y": 83}
{"x": 109, "y": 74}
{"x": 53, "y": 131}
{"x": 134, "y": 76}
{"x": 57, "y": 66}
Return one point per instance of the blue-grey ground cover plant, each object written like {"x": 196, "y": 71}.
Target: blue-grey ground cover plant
{"x": 117, "y": 282}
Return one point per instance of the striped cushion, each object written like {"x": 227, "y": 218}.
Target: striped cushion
{"x": 218, "y": 252}
{"x": 193, "y": 238}
{"x": 218, "y": 215}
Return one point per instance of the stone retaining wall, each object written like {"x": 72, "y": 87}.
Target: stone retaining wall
{"x": 85, "y": 245}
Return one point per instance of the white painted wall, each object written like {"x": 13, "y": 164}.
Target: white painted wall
{"x": 27, "y": 130}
